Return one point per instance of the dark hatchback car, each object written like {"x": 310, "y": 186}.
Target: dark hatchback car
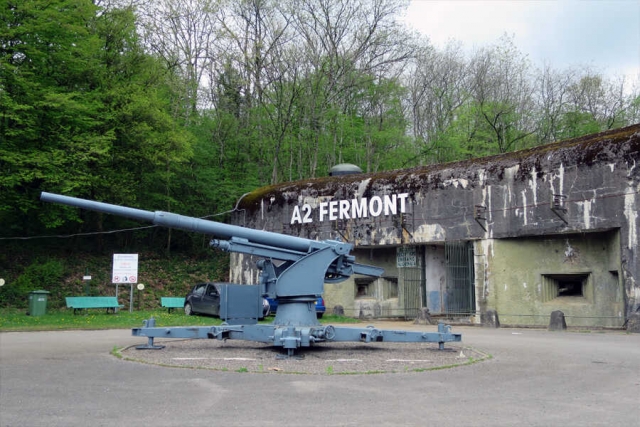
{"x": 204, "y": 298}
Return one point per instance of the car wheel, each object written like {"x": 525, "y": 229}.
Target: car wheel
{"x": 319, "y": 315}
{"x": 188, "y": 310}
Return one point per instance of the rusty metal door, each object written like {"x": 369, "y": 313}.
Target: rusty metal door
{"x": 460, "y": 291}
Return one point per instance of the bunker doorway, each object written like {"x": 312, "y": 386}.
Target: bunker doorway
{"x": 412, "y": 290}
{"x": 460, "y": 290}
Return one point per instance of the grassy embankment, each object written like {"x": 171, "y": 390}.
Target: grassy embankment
{"x": 12, "y": 320}
{"x": 60, "y": 270}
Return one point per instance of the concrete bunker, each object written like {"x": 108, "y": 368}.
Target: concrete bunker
{"x": 521, "y": 234}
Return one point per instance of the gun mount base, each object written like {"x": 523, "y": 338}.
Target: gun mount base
{"x": 292, "y": 338}
{"x": 150, "y": 323}
{"x": 149, "y": 345}
{"x": 299, "y": 311}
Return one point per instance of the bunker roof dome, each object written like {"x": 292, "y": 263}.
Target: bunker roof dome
{"x": 344, "y": 169}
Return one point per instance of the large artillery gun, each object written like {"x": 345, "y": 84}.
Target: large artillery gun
{"x": 293, "y": 271}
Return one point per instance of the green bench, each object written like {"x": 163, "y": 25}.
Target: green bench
{"x": 171, "y": 302}
{"x": 81, "y": 303}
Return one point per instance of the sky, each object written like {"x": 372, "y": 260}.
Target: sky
{"x": 602, "y": 34}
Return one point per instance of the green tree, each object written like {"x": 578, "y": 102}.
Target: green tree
{"x": 49, "y": 119}
{"x": 86, "y": 112}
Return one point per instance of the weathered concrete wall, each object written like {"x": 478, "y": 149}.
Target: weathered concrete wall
{"x": 376, "y": 302}
{"x": 595, "y": 177}
{"x": 520, "y": 294}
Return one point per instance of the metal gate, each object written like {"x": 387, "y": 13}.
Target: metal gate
{"x": 460, "y": 292}
{"x": 411, "y": 280}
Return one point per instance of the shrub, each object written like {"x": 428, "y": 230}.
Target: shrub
{"x": 45, "y": 275}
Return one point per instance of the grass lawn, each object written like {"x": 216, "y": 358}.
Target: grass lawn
{"x": 12, "y": 320}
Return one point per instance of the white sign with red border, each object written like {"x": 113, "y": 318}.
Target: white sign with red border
{"x": 125, "y": 268}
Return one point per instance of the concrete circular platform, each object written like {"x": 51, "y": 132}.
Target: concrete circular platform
{"x": 322, "y": 359}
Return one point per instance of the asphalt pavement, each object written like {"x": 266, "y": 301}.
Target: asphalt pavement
{"x": 533, "y": 378}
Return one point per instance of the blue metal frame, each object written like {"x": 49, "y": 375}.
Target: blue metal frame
{"x": 294, "y": 337}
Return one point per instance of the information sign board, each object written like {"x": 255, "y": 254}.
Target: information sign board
{"x": 406, "y": 257}
{"x": 125, "y": 268}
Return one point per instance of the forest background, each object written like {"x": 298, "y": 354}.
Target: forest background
{"x": 185, "y": 105}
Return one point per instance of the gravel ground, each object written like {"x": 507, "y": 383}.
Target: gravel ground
{"x": 323, "y": 359}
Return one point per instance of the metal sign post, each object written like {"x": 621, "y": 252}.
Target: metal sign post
{"x": 140, "y": 289}
{"x": 125, "y": 270}
{"x": 87, "y": 279}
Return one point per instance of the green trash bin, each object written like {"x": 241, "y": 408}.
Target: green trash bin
{"x": 38, "y": 302}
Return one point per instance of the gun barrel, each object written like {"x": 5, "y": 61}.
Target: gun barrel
{"x": 132, "y": 213}
{"x": 171, "y": 220}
